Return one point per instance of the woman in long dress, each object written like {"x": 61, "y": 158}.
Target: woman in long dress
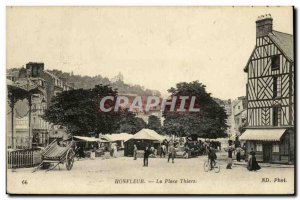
{"x": 252, "y": 163}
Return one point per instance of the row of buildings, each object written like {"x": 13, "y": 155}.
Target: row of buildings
{"x": 25, "y": 125}
{"x": 29, "y": 128}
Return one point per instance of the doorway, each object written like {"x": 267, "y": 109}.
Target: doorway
{"x": 267, "y": 152}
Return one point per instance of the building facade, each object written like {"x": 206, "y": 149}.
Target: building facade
{"x": 270, "y": 95}
{"x": 227, "y": 105}
{"x": 239, "y": 113}
{"x": 30, "y": 129}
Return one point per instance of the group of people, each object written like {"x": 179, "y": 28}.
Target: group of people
{"x": 252, "y": 164}
{"x": 149, "y": 150}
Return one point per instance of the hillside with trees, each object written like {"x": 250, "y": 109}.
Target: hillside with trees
{"x": 117, "y": 82}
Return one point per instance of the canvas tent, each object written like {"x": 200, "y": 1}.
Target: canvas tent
{"x": 143, "y": 138}
{"x": 148, "y": 134}
{"x": 119, "y": 138}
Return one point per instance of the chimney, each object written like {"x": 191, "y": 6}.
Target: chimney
{"x": 264, "y": 25}
{"x": 34, "y": 68}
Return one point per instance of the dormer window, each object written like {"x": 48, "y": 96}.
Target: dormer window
{"x": 275, "y": 62}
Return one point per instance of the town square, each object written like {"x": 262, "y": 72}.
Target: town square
{"x": 150, "y": 100}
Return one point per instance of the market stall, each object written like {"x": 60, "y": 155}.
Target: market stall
{"x": 143, "y": 138}
{"x": 118, "y": 138}
{"x": 89, "y": 146}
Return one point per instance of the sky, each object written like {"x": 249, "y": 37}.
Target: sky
{"x": 155, "y": 47}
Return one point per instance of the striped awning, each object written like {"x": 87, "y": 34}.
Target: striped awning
{"x": 263, "y": 134}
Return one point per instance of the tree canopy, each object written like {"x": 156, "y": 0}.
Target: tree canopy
{"x": 154, "y": 123}
{"x": 79, "y": 111}
{"x": 209, "y": 122}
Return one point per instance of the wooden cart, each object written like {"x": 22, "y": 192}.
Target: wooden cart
{"x": 56, "y": 154}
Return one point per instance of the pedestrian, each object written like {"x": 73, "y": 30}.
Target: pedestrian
{"x": 230, "y": 151}
{"x": 163, "y": 150}
{"x": 167, "y": 146}
{"x": 172, "y": 152}
{"x": 252, "y": 163}
{"x": 115, "y": 150}
{"x": 238, "y": 153}
{"x": 134, "y": 151}
{"x": 81, "y": 152}
{"x": 152, "y": 151}
{"x": 146, "y": 156}
{"x": 111, "y": 150}
{"x": 186, "y": 151}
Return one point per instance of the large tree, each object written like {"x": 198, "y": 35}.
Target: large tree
{"x": 154, "y": 123}
{"x": 79, "y": 111}
{"x": 209, "y": 122}
{"x": 129, "y": 123}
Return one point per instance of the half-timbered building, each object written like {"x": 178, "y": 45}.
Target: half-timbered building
{"x": 270, "y": 95}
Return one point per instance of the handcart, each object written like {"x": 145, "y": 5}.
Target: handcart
{"x": 57, "y": 154}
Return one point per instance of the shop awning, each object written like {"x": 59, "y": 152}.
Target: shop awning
{"x": 88, "y": 139}
{"x": 117, "y": 137}
{"x": 263, "y": 134}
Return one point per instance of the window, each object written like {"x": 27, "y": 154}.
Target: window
{"x": 275, "y": 148}
{"x": 275, "y": 86}
{"x": 275, "y": 116}
{"x": 239, "y": 107}
{"x": 258, "y": 146}
{"x": 275, "y": 62}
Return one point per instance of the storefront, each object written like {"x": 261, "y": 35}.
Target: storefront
{"x": 270, "y": 145}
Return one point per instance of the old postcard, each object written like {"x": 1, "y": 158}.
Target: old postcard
{"x": 150, "y": 100}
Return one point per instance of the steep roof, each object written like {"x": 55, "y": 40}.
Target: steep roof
{"x": 283, "y": 41}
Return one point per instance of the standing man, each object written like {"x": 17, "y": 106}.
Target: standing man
{"x": 172, "y": 152}
{"x": 115, "y": 150}
{"x": 230, "y": 151}
{"x": 146, "y": 156}
{"x": 134, "y": 151}
{"x": 163, "y": 150}
{"x": 238, "y": 153}
{"x": 111, "y": 150}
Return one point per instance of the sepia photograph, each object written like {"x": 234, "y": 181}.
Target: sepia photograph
{"x": 150, "y": 100}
